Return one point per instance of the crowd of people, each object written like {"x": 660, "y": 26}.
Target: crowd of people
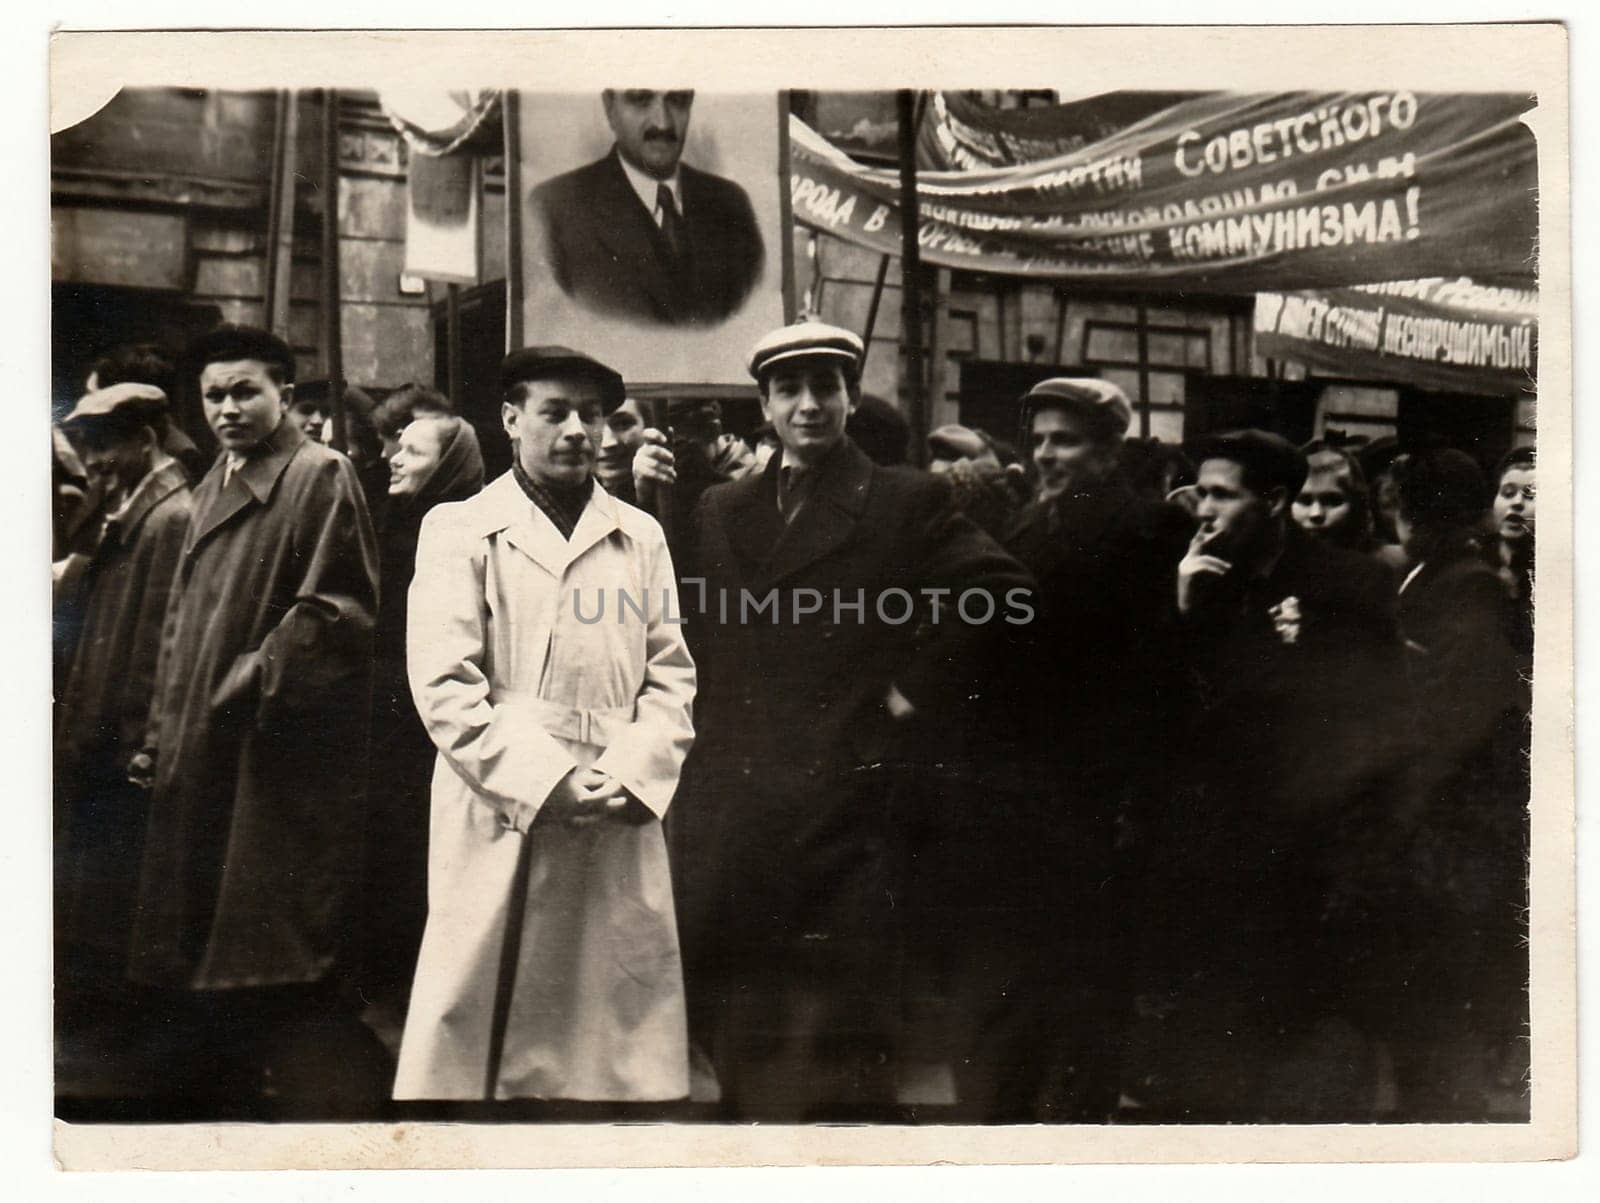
{"x": 674, "y": 773}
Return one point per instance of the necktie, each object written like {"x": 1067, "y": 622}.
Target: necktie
{"x": 671, "y": 223}
{"x": 792, "y": 492}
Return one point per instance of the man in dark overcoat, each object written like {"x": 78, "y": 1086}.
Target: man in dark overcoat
{"x": 814, "y": 713}
{"x": 643, "y": 236}
{"x": 1286, "y": 834}
{"x": 1089, "y": 692}
{"x": 1467, "y": 1012}
{"x": 104, "y": 700}
{"x": 256, "y": 736}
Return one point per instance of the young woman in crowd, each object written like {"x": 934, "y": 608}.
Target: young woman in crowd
{"x": 1334, "y": 503}
{"x": 436, "y": 459}
{"x": 1511, "y": 552}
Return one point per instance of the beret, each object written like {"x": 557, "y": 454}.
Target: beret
{"x": 227, "y": 343}
{"x": 547, "y": 363}
{"x": 1098, "y": 398}
{"x": 1265, "y": 456}
{"x": 806, "y": 337}
{"x": 121, "y": 405}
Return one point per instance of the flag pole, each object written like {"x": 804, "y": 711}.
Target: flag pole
{"x": 332, "y": 300}
{"x": 914, "y": 384}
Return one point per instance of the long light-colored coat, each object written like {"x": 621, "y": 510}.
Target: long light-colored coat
{"x": 585, "y": 1001}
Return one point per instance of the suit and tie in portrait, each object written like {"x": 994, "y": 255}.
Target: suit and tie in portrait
{"x": 640, "y": 235}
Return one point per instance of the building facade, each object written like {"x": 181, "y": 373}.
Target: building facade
{"x": 164, "y": 222}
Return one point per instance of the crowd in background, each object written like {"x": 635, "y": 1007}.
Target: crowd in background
{"x": 1235, "y": 829}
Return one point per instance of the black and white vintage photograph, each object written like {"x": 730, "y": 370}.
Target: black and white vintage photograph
{"x": 745, "y": 605}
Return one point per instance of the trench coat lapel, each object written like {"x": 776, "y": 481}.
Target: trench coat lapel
{"x": 252, "y": 484}
{"x": 828, "y": 518}
{"x": 524, "y": 526}
{"x": 535, "y": 536}
{"x": 598, "y": 520}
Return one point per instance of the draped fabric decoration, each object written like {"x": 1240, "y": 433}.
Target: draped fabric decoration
{"x": 437, "y": 122}
{"x": 442, "y": 218}
{"x": 1218, "y": 191}
{"x": 447, "y": 131}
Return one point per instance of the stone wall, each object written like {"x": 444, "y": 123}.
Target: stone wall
{"x": 164, "y": 191}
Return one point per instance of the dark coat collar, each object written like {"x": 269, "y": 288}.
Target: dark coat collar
{"x": 215, "y": 503}
{"x": 1302, "y": 558}
{"x": 149, "y": 493}
{"x": 825, "y": 523}
{"x": 1081, "y": 519}
{"x": 266, "y": 462}
{"x": 1464, "y": 564}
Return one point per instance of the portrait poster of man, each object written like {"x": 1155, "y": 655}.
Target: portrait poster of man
{"x": 652, "y": 224}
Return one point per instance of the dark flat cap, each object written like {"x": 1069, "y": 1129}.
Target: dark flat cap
{"x": 958, "y": 442}
{"x": 549, "y": 363}
{"x": 122, "y": 406}
{"x": 1269, "y": 460}
{"x": 228, "y": 343}
{"x": 805, "y": 338}
{"x": 1101, "y": 400}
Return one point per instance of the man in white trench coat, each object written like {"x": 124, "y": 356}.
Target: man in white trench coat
{"x": 550, "y": 966}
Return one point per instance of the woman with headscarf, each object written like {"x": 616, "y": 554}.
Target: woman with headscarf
{"x": 1467, "y": 1003}
{"x": 437, "y": 459}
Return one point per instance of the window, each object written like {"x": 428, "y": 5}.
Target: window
{"x": 962, "y": 333}
{"x": 1149, "y": 363}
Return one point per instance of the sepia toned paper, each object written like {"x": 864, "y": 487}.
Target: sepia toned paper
{"x": 1507, "y": 58}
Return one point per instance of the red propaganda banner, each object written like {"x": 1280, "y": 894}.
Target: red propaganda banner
{"x": 1218, "y": 191}
{"x": 1445, "y": 334}
{"x": 959, "y": 133}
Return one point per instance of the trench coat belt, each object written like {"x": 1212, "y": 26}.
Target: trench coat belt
{"x": 597, "y": 726}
